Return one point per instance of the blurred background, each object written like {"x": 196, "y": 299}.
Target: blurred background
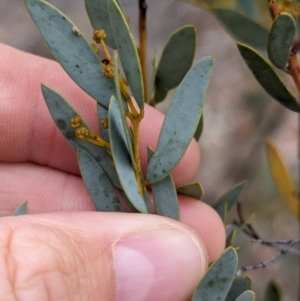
{"x": 238, "y": 116}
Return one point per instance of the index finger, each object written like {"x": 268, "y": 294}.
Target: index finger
{"x": 28, "y": 131}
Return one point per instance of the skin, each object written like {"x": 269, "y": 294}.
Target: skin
{"x": 63, "y": 249}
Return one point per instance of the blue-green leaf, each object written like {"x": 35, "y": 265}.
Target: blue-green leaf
{"x": 127, "y": 51}
{"x": 268, "y": 78}
{"x": 199, "y": 129}
{"x": 230, "y": 197}
{"x": 246, "y": 296}
{"x": 165, "y": 195}
{"x": 273, "y": 292}
{"x": 165, "y": 198}
{"x": 230, "y": 238}
{"x": 97, "y": 11}
{"x": 21, "y": 209}
{"x": 121, "y": 157}
{"x": 181, "y": 121}
{"x": 175, "y": 61}
{"x": 72, "y": 51}
{"x": 217, "y": 280}
{"x": 238, "y": 286}
{"x": 193, "y": 190}
{"x": 61, "y": 112}
{"x": 222, "y": 210}
{"x": 123, "y": 108}
{"x": 148, "y": 201}
{"x": 250, "y": 32}
{"x": 280, "y": 38}
{"x": 98, "y": 14}
{"x": 247, "y": 7}
{"x": 97, "y": 184}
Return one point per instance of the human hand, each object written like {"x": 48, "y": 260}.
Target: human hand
{"x": 64, "y": 250}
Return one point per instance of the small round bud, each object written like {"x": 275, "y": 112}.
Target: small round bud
{"x": 76, "y": 122}
{"x": 108, "y": 71}
{"x": 99, "y": 35}
{"x": 104, "y": 122}
{"x": 82, "y": 133}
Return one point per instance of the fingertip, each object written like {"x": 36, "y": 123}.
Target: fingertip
{"x": 157, "y": 256}
{"x": 206, "y": 222}
{"x": 106, "y": 256}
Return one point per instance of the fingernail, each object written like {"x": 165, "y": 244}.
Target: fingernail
{"x": 163, "y": 264}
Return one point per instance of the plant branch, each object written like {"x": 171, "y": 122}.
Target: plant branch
{"x": 277, "y": 243}
{"x": 293, "y": 66}
{"x": 248, "y": 229}
{"x": 263, "y": 264}
{"x": 125, "y": 93}
{"x": 143, "y": 42}
{"x": 274, "y": 9}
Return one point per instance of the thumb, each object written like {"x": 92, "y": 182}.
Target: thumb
{"x": 98, "y": 256}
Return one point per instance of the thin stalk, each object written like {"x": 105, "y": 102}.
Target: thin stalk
{"x": 136, "y": 150}
{"x": 83, "y": 133}
{"x": 143, "y": 42}
{"x": 106, "y": 52}
{"x": 132, "y": 113}
{"x": 135, "y": 119}
{"x": 125, "y": 93}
